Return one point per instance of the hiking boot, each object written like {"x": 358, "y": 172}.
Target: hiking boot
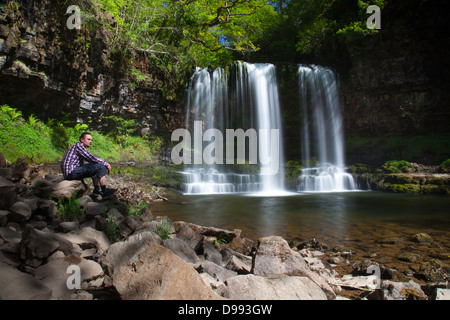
{"x": 108, "y": 193}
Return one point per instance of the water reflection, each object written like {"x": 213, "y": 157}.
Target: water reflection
{"x": 335, "y": 217}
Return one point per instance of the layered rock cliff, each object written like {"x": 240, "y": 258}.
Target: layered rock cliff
{"x": 51, "y": 71}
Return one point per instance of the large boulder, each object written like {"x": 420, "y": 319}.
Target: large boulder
{"x": 119, "y": 253}
{"x": 7, "y": 193}
{"x": 181, "y": 249}
{"x": 88, "y": 238}
{"x": 67, "y": 188}
{"x": 411, "y": 290}
{"x": 36, "y": 245}
{"x": 156, "y": 273}
{"x": 16, "y": 285}
{"x": 274, "y": 257}
{"x": 20, "y": 211}
{"x": 435, "y": 270}
{"x": 281, "y": 287}
{"x": 55, "y": 275}
{"x": 10, "y": 240}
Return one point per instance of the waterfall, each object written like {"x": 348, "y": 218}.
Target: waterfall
{"x": 244, "y": 100}
{"x": 322, "y": 133}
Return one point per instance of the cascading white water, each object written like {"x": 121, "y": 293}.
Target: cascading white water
{"x": 322, "y": 134}
{"x": 248, "y": 101}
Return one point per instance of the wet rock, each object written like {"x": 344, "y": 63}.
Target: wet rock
{"x": 422, "y": 238}
{"x": 443, "y": 294}
{"x": 209, "y": 231}
{"x": 435, "y": 270}
{"x": 312, "y": 244}
{"x": 402, "y": 291}
{"x": 364, "y": 267}
{"x": 409, "y": 257}
{"x": 390, "y": 240}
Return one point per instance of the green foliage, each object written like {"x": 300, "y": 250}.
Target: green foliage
{"x": 177, "y": 35}
{"x": 47, "y": 142}
{"x": 69, "y": 209}
{"x": 138, "y": 209}
{"x": 292, "y": 172}
{"x": 395, "y": 166}
{"x": 308, "y": 26}
{"x": 445, "y": 166}
{"x": 11, "y": 112}
{"x": 431, "y": 148}
{"x": 224, "y": 238}
{"x": 111, "y": 230}
{"x": 119, "y": 128}
{"x": 19, "y": 138}
{"x": 163, "y": 229}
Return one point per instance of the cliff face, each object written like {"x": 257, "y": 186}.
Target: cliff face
{"x": 398, "y": 79}
{"x": 396, "y": 85}
{"x": 49, "y": 70}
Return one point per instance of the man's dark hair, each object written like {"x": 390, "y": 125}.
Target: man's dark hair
{"x": 84, "y": 134}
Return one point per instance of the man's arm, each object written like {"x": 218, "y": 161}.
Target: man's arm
{"x": 86, "y": 155}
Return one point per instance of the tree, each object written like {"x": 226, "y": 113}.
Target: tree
{"x": 178, "y": 35}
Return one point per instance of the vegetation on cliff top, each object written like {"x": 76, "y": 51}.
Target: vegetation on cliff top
{"x": 47, "y": 142}
{"x": 177, "y": 36}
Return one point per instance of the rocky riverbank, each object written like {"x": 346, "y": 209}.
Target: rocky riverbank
{"x": 133, "y": 255}
{"x": 410, "y": 178}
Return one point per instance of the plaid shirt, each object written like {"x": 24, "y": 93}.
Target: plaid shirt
{"x": 75, "y": 157}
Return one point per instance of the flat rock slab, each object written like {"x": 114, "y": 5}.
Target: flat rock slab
{"x": 282, "y": 287}
{"x": 16, "y": 285}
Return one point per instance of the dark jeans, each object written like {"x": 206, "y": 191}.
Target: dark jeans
{"x": 90, "y": 170}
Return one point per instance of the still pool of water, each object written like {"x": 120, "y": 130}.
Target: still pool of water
{"x": 334, "y": 218}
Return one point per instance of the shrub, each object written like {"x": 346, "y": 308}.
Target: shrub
{"x": 445, "y": 166}
{"x": 69, "y": 209}
{"x": 395, "y": 166}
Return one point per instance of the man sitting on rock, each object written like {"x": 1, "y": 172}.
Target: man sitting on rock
{"x": 74, "y": 168}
